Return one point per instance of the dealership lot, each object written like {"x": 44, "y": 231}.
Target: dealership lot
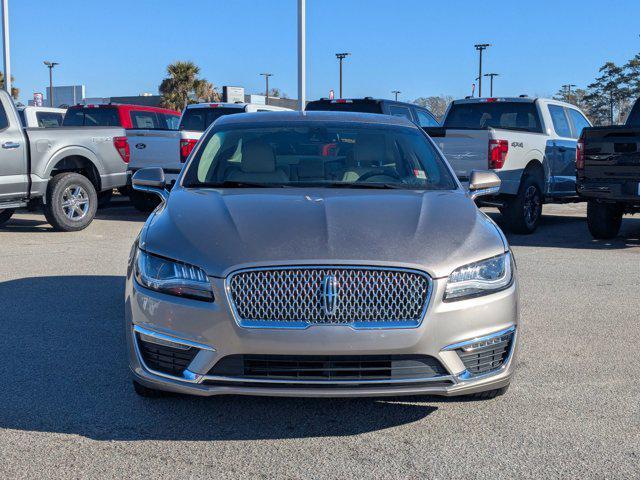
{"x": 67, "y": 407}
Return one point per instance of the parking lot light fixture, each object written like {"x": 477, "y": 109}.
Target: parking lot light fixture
{"x": 50, "y": 66}
{"x": 491, "y": 76}
{"x": 481, "y": 47}
{"x": 341, "y": 57}
{"x": 396, "y": 92}
{"x": 266, "y": 78}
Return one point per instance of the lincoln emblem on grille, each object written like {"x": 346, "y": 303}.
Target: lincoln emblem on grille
{"x": 329, "y": 294}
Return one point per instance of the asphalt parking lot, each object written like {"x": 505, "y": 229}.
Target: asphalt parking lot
{"x": 67, "y": 408}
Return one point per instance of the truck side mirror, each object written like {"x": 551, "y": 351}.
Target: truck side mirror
{"x": 482, "y": 183}
{"x": 150, "y": 180}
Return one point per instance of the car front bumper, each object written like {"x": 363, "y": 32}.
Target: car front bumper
{"x": 211, "y": 328}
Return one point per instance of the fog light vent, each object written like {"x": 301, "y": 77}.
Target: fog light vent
{"x": 486, "y": 355}
{"x": 164, "y": 356}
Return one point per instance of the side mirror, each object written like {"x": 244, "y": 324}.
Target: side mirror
{"x": 482, "y": 183}
{"x": 150, "y": 180}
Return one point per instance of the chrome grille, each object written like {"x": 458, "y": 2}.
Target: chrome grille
{"x": 298, "y": 296}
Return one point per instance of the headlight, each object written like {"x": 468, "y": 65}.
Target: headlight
{"x": 480, "y": 278}
{"x": 174, "y": 278}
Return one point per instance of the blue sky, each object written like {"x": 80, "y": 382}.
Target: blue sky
{"x": 421, "y": 47}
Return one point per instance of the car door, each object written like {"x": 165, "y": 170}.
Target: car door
{"x": 561, "y": 152}
{"x": 13, "y": 154}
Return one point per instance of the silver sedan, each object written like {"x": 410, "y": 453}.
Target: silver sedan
{"x": 320, "y": 254}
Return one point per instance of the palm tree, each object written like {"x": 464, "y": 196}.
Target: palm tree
{"x": 182, "y": 86}
{"x": 15, "y": 92}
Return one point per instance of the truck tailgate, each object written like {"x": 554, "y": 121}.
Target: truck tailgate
{"x": 611, "y": 153}
{"x": 155, "y": 148}
{"x": 465, "y": 150}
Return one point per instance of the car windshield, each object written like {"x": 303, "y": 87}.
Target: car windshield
{"x": 336, "y": 155}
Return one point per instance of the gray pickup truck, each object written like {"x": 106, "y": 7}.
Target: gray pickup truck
{"x": 63, "y": 168}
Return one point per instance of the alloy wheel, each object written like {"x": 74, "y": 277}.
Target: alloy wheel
{"x": 75, "y": 202}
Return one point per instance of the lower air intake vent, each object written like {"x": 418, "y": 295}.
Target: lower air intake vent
{"x": 311, "y": 367}
{"x": 165, "y": 359}
{"x": 485, "y": 357}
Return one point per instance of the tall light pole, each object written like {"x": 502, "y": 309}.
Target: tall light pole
{"x": 341, "y": 57}
{"x": 5, "y": 45}
{"x": 50, "y": 66}
{"x": 266, "y": 78}
{"x": 567, "y": 89}
{"x": 481, "y": 47}
{"x": 396, "y": 93}
{"x": 491, "y": 76}
{"x": 302, "y": 58}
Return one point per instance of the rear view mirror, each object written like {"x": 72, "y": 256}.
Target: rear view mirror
{"x": 482, "y": 183}
{"x": 150, "y": 180}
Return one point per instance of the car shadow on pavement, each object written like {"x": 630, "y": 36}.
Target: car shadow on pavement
{"x": 563, "y": 231}
{"x": 64, "y": 370}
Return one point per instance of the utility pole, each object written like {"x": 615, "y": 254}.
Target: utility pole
{"x": 481, "y": 47}
{"x": 341, "y": 57}
{"x": 302, "y": 59}
{"x": 491, "y": 76}
{"x": 266, "y": 78}
{"x": 50, "y": 66}
{"x": 396, "y": 93}
{"x": 5, "y": 44}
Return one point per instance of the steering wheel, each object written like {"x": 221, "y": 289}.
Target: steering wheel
{"x": 379, "y": 173}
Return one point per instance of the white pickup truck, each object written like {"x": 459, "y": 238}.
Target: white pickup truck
{"x": 530, "y": 143}
{"x": 171, "y": 149}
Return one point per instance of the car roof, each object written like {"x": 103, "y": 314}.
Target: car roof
{"x": 231, "y": 105}
{"x": 314, "y": 116}
{"x": 370, "y": 100}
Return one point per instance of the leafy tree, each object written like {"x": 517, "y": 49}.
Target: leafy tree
{"x": 576, "y": 97}
{"x": 608, "y": 96}
{"x": 15, "y": 92}
{"x": 436, "y": 105}
{"x": 182, "y": 86}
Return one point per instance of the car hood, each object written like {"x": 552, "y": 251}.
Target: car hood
{"x": 221, "y": 230}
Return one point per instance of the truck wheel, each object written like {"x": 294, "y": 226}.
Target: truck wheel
{"x": 71, "y": 202}
{"x": 604, "y": 219}
{"x": 522, "y": 213}
{"x": 144, "y": 202}
{"x": 5, "y": 215}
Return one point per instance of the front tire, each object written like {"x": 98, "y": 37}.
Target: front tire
{"x": 604, "y": 219}
{"x": 5, "y": 215}
{"x": 71, "y": 202}
{"x": 522, "y": 213}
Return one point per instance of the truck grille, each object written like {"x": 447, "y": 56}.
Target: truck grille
{"x": 299, "y": 296}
